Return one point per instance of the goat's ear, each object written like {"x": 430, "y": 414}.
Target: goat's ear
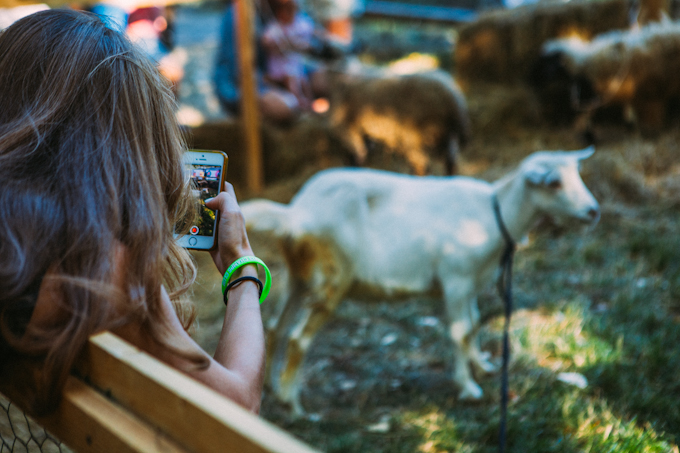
{"x": 538, "y": 175}
{"x": 584, "y": 153}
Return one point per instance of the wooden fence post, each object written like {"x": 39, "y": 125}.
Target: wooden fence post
{"x": 244, "y": 17}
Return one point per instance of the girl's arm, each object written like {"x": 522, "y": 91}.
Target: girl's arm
{"x": 237, "y": 369}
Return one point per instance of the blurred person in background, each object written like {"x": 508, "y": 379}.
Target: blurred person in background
{"x": 289, "y": 80}
{"x": 336, "y": 16}
{"x": 151, "y": 28}
{"x": 286, "y": 38}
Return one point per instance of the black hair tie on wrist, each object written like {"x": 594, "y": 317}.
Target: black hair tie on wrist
{"x": 238, "y": 281}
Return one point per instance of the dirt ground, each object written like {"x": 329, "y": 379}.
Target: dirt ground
{"x": 378, "y": 375}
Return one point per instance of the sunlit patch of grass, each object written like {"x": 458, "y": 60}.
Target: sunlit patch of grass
{"x": 438, "y": 432}
{"x": 549, "y": 415}
{"x": 599, "y": 429}
{"x": 557, "y": 340}
{"x": 603, "y": 432}
{"x": 591, "y": 423}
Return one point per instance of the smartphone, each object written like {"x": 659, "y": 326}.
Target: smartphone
{"x": 207, "y": 171}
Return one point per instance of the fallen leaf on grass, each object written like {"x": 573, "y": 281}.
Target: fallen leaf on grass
{"x": 575, "y": 379}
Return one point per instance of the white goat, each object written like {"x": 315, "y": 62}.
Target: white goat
{"x": 397, "y": 234}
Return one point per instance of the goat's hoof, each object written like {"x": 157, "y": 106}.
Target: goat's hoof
{"x": 297, "y": 411}
{"x": 294, "y": 407}
{"x": 485, "y": 365}
{"x": 484, "y": 355}
{"x": 471, "y": 391}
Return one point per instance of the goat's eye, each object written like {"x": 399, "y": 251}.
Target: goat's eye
{"x": 555, "y": 185}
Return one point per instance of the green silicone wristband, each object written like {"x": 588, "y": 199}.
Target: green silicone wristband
{"x": 242, "y": 262}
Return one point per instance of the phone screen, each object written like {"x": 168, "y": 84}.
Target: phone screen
{"x": 206, "y": 183}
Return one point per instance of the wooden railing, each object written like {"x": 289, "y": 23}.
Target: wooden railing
{"x": 127, "y": 401}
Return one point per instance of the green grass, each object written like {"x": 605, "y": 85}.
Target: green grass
{"x": 630, "y": 404}
{"x": 616, "y": 326}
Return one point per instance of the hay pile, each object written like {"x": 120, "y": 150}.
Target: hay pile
{"x": 502, "y": 45}
{"x": 507, "y": 125}
{"x": 290, "y": 154}
{"x": 635, "y": 70}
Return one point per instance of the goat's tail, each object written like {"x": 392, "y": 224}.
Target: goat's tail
{"x": 266, "y": 216}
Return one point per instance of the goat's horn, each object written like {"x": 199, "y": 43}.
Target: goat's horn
{"x": 585, "y": 153}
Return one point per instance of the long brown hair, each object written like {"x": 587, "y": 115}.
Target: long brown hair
{"x": 90, "y": 156}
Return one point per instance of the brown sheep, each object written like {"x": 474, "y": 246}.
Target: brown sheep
{"x": 418, "y": 116}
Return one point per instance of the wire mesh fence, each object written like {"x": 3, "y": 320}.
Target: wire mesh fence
{"x": 20, "y": 433}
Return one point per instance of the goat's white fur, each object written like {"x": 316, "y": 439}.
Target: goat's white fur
{"x": 402, "y": 234}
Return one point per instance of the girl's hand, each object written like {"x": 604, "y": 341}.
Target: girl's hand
{"x": 232, "y": 239}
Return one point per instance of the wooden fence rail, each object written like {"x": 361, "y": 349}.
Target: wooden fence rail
{"x": 127, "y": 401}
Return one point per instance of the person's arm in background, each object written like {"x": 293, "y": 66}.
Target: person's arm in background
{"x": 226, "y": 75}
{"x": 226, "y": 65}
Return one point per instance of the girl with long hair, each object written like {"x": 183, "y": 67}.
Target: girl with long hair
{"x": 91, "y": 188}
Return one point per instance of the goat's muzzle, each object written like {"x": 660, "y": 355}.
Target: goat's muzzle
{"x": 591, "y": 216}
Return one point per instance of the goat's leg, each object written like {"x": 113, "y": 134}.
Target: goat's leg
{"x": 311, "y": 320}
{"x": 419, "y": 160}
{"x": 478, "y": 358}
{"x": 277, "y": 340}
{"x": 452, "y": 155}
{"x": 355, "y": 137}
{"x": 311, "y": 317}
{"x": 320, "y": 280}
{"x": 458, "y": 292}
{"x": 481, "y": 359}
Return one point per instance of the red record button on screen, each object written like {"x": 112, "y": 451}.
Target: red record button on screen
{"x": 194, "y": 230}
